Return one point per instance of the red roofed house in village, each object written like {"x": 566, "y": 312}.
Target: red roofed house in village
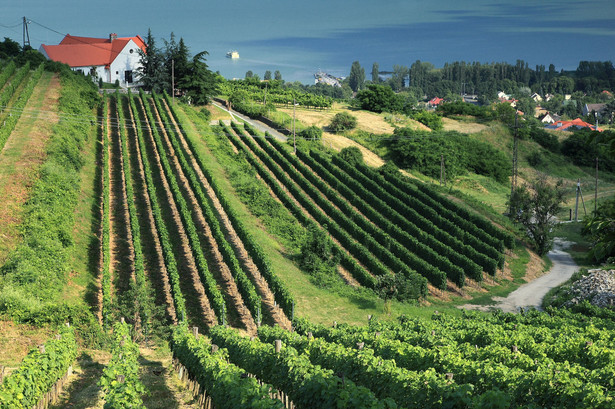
{"x": 434, "y": 102}
{"x": 110, "y": 58}
{"x": 572, "y": 125}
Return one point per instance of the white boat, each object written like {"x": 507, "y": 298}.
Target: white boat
{"x": 232, "y": 54}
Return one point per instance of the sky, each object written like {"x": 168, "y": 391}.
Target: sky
{"x": 300, "y": 38}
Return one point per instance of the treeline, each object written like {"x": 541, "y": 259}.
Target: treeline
{"x": 423, "y": 78}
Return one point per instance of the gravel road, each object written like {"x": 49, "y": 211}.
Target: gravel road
{"x": 532, "y": 293}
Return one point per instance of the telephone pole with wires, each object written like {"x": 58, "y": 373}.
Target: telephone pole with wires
{"x": 26, "y": 34}
{"x": 513, "y": 182}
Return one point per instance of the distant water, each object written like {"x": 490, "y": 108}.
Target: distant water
{"x": 479, "y": 39}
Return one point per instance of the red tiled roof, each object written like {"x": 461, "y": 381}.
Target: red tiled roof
{"x": 436, "y": 101}
{"x": 88, "y": 51}
{"x": 579, "y": 123}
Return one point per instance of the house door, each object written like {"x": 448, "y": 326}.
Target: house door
{"x": 128, "y": 77}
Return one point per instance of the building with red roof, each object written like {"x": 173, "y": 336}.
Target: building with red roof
{"x": 435, "y": 101}
{"x": 113, "y": 58}
{"x": 572, "y": 125}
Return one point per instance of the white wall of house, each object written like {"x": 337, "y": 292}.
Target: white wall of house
{"x": 126, "y": 61}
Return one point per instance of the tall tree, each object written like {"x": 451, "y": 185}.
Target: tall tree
{"x": 277, "y": 75}
{"x": 535, "y": 207}
{"x": 375, "y": 73}
{"x": 152, "y": 73}
{"x": 200, "y": 84}
{"x": 356, "y": 79}
{"x": 267, "y": 76}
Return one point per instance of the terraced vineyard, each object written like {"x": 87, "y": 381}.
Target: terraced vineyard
{"x": 174, "y": 256}
{"x": 380, "y": 226}
{"x": 197, "y": 258}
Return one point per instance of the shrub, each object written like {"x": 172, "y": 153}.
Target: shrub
{"x": 352, "y": 155}
{"x": 343, "y": 121}
{"x": 535, "y": 158}
{"x": 311, "y": 132}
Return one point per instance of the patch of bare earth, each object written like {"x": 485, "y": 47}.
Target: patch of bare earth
{"x": 339, "y": 142}
{"x": 21, "y": 157}
{"x": 17, "y": 340}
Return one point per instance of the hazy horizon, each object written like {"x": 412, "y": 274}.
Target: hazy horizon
{"x": 299, "y": 39}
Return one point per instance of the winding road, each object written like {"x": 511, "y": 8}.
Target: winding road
{"x": 532, "y": 293}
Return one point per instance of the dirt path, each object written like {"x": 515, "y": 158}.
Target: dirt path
{"x": 532, "y": 293}
{"x": 21, "y": 157}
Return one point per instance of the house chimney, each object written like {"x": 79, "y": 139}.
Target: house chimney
{"x": 112, "y": 36}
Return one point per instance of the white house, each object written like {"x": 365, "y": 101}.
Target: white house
{"x": 110, "y": 58}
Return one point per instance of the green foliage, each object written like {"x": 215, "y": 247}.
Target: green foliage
{"x": 151, "y": 73}
{"x": 600, "y": 229}
{"x": 534, "y": 359}
{"x": 317, "y": 255}
{"x": 429, "y": 119}
{"x": 306, "y": 384}
{"x": 423, "y": 150}
{"x": 343, "y": 121}
{"x": 260, "y": 199}
{"x": 38, "y": 372}
{"x": 38, "y": 267}
{"x": 545, "y": 139}
{"x": 273, "y": 92}
{"x": 312, "y": 133}
{"x": 535, "y": 207}
{"x": 584, "y": 146}
{"x": 379, "y": 98}
{"x": 199, "y": 82}
{"x": 449, "y": 109}
{"x": 116, "y": 393}
{"x": 356, "y": 79}
{"x": 352, "y": 155}
{"x": 535, "y": 159}
{"x": 226, "y": 384}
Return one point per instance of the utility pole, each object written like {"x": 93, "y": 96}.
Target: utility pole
{"x": 513, "y": 184}
{"x": 576, "y": 207}
{"x": 173, "y": 80}
{"x": 442, "y": 171}
{"x": 294, "y": 136}
{"x": 596, "y": 191}
{"x": 26, "y": 34}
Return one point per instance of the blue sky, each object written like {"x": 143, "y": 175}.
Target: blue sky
{"x": 301, "y": 37}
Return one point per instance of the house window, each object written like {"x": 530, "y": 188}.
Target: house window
{"x": 131, "y": 51}
{"x": 128, "y": 77}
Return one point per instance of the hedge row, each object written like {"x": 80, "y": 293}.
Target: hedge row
{"x": 6, "y": 73}
{"x": 482, "y": 224}
{"x": 141, "y": 287}
{"x": 357, "y": 271}
{"x": 351, "y": 236}
{"x": 226, "y": 384}
{"x": 38, "y": 372}
{"x": 9, "y": 122}
{"x": 105, "y": 274}
{"x": 120, "y": 384}
{"x": 163, "y": 234}
{"x": 244, "y": 285}
{"x": 281, "y": 293}
{"x": 482, "y": 254}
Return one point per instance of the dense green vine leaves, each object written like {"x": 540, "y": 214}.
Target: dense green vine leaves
{"x": 226, "y": 384}
{"x": 120, "y": 384}
{"x": 38, "y": 372}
